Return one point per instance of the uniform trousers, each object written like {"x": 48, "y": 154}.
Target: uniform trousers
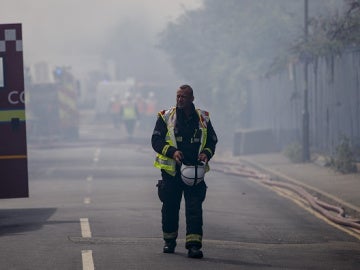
{"x": 170, "y": 191}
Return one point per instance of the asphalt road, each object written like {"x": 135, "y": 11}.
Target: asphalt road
{"x": 93, "y": 204}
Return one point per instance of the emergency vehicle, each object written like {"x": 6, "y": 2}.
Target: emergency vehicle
{"x": 52, "y": 108}
{"x": 13, "y": 147}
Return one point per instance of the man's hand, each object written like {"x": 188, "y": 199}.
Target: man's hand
{"x": 203, "y": 157}
{"x": 178, "y": 156}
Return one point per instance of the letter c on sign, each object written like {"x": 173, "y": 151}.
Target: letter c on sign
{"x": 15, "y": 100}
{"x": 22, "y": 97}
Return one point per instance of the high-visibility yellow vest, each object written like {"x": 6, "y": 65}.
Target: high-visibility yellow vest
{"x": 129, "y": 112}
{"x": 169, "y": 116}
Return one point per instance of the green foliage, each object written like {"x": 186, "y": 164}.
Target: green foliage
{"x": 331, "y": 34}
{"x": 293, "y": 152}
{"x": 221, "y": 46}
{"x": 344, "y": 160}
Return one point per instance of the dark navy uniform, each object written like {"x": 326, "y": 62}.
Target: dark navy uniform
{"x": 171, "y": 188}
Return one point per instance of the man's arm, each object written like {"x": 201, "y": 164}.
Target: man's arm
{"x": 158, "y": 139}
{"x": 210, "y": 146}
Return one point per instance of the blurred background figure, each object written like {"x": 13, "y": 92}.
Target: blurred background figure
{"x": 140, "y": 106}
{"x": 115, "y": 109}
{"x": 129, "y": 115}
{"x": 150, "y": 111}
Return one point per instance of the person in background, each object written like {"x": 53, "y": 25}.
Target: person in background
{"x": 115, "y": 108}
{"x": 150, "y": 111}
{"x": 140, "y": 105}
{"x": 182, "y": 135}
{"x": 129, "y": 115}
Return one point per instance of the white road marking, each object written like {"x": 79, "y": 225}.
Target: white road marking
{"x": 89, "y": 188}
{"x": 87, "y": 260}
{"x": 97, "y": 154}
{"x": 87, "y": 200}
{"x": 85, "y": 228}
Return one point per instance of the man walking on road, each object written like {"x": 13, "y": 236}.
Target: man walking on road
{"x": 185, "y": 141}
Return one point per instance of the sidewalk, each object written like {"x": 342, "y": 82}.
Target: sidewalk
{"x": 341, "y": 189}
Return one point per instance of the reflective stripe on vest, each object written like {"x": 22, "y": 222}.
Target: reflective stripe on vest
{"x": 169, "y": 116}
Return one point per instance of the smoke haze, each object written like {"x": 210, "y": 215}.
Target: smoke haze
{"x": 73, "y": 33}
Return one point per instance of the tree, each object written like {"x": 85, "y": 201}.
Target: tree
{"x": 224, "y": 44}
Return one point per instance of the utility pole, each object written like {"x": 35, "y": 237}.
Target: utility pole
{"x": 306, "y": 129}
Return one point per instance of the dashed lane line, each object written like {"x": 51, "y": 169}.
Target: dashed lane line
{"x": 85, "y": 228}
{"x": 87, "y": 257}
{"x": 87, "y": 260}
{"x": 97, "y": 154}
{"x": 87, "y": 200}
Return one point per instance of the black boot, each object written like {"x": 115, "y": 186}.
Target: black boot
{"x": 195, "y": 252}
{"x": 169, "y": 247}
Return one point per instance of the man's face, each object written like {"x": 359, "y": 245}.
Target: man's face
{"x": 184, "y": 98}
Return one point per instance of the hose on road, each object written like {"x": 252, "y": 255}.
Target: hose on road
{"x": 324, "y": 208}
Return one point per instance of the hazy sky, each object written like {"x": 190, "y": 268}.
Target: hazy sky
{"x": 57, "y": 29}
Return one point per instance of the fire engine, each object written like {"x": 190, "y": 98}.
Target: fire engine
{"x": 52, "y": 107}
{"x": 13, "y": 147}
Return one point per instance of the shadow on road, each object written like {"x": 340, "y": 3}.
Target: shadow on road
{"x": 13, "y": 221}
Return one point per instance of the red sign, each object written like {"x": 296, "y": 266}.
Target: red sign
{"x": 13, "y": 151}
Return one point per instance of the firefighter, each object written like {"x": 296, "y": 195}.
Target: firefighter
{"x": 183, "y": 135}
{"x": 129, "y": 115}
{"x": 140, "y": 104}
{"x": 150, "y": 111}
{"x": 150, "y": 104}
{"x": 115, "y": 109}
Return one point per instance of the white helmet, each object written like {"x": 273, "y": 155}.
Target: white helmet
{"x": 192, "y": 174}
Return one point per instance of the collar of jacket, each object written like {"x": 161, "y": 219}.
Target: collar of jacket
{"x": 181, "y": 114}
